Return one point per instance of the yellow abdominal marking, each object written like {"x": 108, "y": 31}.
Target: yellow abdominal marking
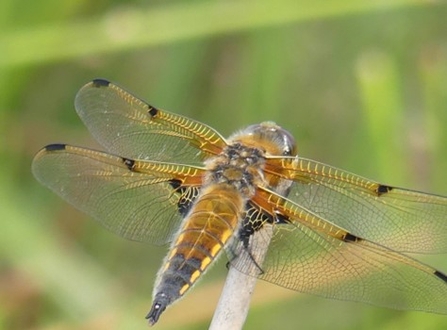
{"x": 205, "y": 262}
{"x": 194, "y": 277}
{"x": 184, "y": 289}
{"x": 215, "y": 249}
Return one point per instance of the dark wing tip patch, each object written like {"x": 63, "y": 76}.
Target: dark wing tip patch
{"x": 383, "y": 189}
{"x": 440, "y": 275}
{"x": 55, "y": 147}
{"x": 100, "y": 82}
{"x": 351, "y": 238}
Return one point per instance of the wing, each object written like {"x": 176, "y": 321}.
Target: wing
{"x": 400, "y": 219}
{"x": 128, "y": 126}
{"x": 139, "y": 200}
{"x": 308, "y": 254}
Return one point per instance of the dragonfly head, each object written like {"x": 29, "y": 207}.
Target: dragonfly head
{"x": 275, "y": 140}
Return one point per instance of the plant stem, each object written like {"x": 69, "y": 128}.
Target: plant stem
{"x": 234, "y": 302}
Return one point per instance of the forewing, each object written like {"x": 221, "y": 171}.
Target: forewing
{"x": 308, "y": 254}
{"x": 403, "y": 220}
{"x": 138, "y": 200}
{"x": 128, "y": 126}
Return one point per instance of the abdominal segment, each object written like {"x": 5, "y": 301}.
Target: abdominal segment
{"x": 211, "y": 222}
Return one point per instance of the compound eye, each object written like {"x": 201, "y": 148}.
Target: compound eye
{"x": 277, "y": 140}
{"x": 287, "y": 151}
{"x": 288, "y": 141}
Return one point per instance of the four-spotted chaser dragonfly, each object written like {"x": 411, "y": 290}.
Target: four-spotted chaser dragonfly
{"x": 168, "y": 178}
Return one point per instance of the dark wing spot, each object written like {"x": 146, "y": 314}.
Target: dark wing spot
{"x": 187, "y": 195}
{"x": 129, "y": 163}
{"x": 281, "y": 218}
{"x": 187, "y": 199}
{"x": 175, "y": 183}
{"x": 55, "y": 147}
{"x": 382, "y": 189}
{"x": 440, "y": 275}
{"x": 153, "y": 111}
{"x": 351, "y": 238}
{"x": 253, "y": 221}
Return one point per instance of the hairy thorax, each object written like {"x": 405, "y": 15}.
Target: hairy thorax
{"x": 238, "y": 166}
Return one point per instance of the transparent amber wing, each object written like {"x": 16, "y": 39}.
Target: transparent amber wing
{"x": 138, "y": 200}
{"x": 400, "y": 219}
{"x": 308, "y": 254}
{"x": 128, "y": 126}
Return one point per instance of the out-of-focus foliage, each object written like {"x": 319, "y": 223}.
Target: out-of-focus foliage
{"x": 361, "y": 84}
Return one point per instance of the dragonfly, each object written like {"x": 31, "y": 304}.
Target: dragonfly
{"x": 168, "y": 179}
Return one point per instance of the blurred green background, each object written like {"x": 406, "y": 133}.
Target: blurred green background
{"x": 361, "y": 84}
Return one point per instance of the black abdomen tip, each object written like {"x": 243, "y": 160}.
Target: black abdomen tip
{"x": 100, "y": 82}
{"x": 158, "y": 307}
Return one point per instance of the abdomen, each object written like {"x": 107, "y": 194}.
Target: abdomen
{"x": 211, "y": 222}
